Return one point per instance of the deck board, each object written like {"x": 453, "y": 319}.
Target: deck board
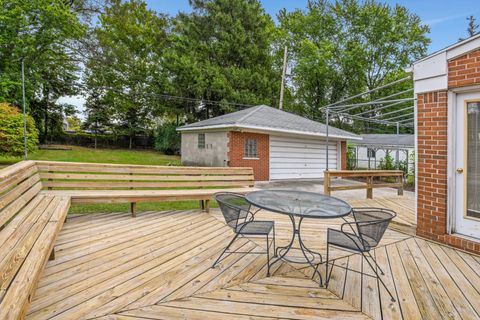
{"x": 158, "y": 266}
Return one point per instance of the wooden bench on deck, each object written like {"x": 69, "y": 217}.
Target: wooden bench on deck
{"x": 29, "y": 225}
{"x": 35, "y": 197}
{"x": 117, "y": 183}
{"x": 369, "y": 185}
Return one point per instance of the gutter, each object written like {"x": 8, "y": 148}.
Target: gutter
{"x": 269, "y": 129}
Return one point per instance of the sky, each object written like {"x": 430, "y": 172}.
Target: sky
{"x": 446, "y": 18}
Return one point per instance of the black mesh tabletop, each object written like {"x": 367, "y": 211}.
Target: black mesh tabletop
{"x": 300, "y": 203}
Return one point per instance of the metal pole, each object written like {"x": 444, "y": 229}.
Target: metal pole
{"x": 366, "y": 92}
{"x": 280, "y": 105}
{"x": 356, "y": 157}
{"x": 368, "y": 157}
{"x": 24, "y": 112}
{"x": 398, "y": 145}
{"x": 327, "y": 119}
{"x": 378, "y": 101}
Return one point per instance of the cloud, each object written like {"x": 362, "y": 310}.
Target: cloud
{"x": 432, "y": 22}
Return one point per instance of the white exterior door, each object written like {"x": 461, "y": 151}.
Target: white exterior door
{"x": 300, "y": 158}
{"x": 467, "y": 161}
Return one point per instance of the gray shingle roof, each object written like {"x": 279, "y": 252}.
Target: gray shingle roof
{"x": 269, "y": 119}
{"x": 404, "y": 140}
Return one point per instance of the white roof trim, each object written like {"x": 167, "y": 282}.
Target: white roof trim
{"x": 431, "y": 73}
{"x": 455, "y": 53}
{"x": 268, "y": 129}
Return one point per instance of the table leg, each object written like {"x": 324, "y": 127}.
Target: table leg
{"x": 304, "y": 248}
{"x": 308, "y": 255}
{"x": 284, "y": 250}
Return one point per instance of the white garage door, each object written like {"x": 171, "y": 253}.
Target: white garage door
{"x": 299, "y": 158}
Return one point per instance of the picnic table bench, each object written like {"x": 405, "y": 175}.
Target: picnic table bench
{"x": 35, "y": 197}
{"x": 369, "y": 185}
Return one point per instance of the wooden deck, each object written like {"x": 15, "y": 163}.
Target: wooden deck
{"x": 158, "y": 266}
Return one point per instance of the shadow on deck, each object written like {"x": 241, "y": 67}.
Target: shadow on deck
{"x": 158, "y": 266}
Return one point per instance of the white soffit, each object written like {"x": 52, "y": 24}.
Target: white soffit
{"x": 465, "y": 48}
{"x": 431, "y": 72}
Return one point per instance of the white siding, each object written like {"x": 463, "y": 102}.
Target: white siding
{"x": 300, "y": 158}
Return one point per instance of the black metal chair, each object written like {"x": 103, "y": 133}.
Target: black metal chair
{"x": 363, "y": 235}
{"x": 238, "y": 215}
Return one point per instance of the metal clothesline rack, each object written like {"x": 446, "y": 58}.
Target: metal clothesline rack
{"x": 341, "y": 109}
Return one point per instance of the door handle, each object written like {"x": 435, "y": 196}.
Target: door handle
{"x": 459, "y": 170}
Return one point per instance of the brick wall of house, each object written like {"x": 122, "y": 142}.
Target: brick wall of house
{"x": 343, "y": 151}
{"x": 464, "y": 70}
{"x": 432, "y": 154}
{"x": 236, "y": 146}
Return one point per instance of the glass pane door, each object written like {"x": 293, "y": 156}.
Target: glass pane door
{"x": 473, "y": 160}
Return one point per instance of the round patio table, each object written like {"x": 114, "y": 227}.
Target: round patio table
{"x": 299, "y": 205}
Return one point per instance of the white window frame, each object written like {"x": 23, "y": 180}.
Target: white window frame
{"x": 201, "y": 144}
{"x": 250, "y": 149}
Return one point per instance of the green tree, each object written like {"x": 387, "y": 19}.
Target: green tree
{"x": 74, "y": 123}
{"x": 343, "y": 48}
{"x": 472, "y": 28}
{"x": 11, "y": 131}
{"x": 222, "y": 52}
{"x": 42, "y": 33}
{"x": 126, "y": 65}
{"x": 167, "y": 138}
{"x": 99, "y": 115}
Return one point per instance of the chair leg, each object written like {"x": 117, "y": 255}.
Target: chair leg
{"x": 223, "y": 252}
{"x": 375, "y": 261}
{"x": 268, "y": 257}
{"x": 378, "y": 277}
{"x": 327, "y": 276}
{"x": 274, "y": 249}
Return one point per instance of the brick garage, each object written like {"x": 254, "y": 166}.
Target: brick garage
{"x": 236, "y": 151}
{"x": 441, "y": 83}
{"x": 275, "y": 143}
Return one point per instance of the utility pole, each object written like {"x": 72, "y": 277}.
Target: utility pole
{"x": 24, "y": 111}
{"x": 284, "y": 71}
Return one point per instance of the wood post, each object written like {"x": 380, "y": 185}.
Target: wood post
{"x": 400, "y": 189}
{"x": 207, "y": 206}
{"x": 369, "y": 187}
{"x": 52, "y": 254}
{"x": 50, "y": 188}
{"x": 133, "y": 207}
{"x": 202, "y": 205}
{"x": 326, "y": 183}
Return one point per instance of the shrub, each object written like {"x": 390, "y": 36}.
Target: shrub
{"x": 167, "y": 139}
{"x": 351, "y": 157}
{"x": 387, "y": 163}
{"x": 11, "y": 131}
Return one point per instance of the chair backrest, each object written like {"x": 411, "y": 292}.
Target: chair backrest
{"x": 234, "y": 208}
{"x": 19, "y": 183}
{"x": 372, "y": 223}
{"x": 98, "y": 176}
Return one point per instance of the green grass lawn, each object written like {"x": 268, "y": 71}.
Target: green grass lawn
{"x": 80, "y": 154}
{"x": 120, "y": 156}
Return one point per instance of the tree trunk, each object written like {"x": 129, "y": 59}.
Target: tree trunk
{"x": 130, "y": 142}
{"x": 45, "y": 124}
{"x": 96, "y": 132}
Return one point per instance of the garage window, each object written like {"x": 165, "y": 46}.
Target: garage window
{"x": 250, "y": 148}
{"x": 201, "y": 141}
{"x": 371, "y": 152}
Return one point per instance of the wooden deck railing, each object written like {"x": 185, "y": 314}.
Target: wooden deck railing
{"x": 369, "y": 185}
